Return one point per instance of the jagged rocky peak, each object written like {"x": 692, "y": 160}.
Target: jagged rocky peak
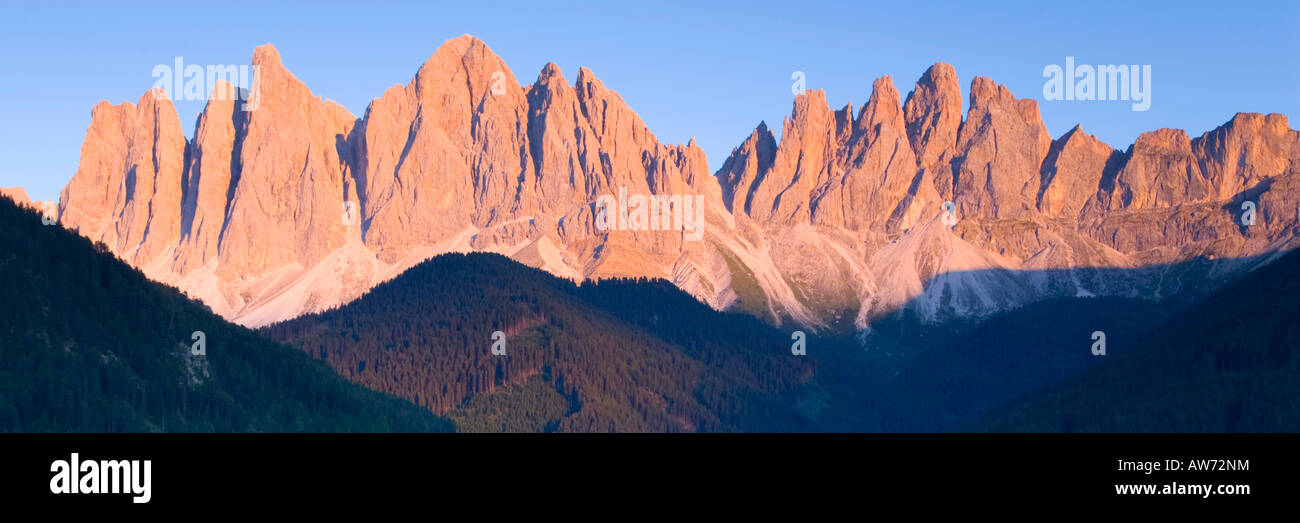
{"x": 745, "y": 168}
{"x": 126, "y": 191}
{"x": 690, "y": 159}
{"x": 266, "y": 55}
{"x": 883, "y": 111}
{"x": 875, "y": 167}
{"x": 291, "y": 174}
{"x": 463, "y": 80}
{"x": 1247, "y": 150}
{"x": 804, "y": 159}
{"x": 1000, "y": 150}
{"x": 1072, "y": 173}
{"x": 208, "y": 177}
{"x": 933, "y": 114}
{"x": 468, "y": 62}
{"x": 837, "y": 222}
{"x": 1176, "y": 197}
{"x": 445, "y": 152}
{"x": 557, "y": 141}
{"x": 830, "y": 168}
{"x": 635, "y": 158}
{"x": 1161, "y": 171}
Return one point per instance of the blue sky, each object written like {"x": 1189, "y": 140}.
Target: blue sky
{"x": 709, "y": 70}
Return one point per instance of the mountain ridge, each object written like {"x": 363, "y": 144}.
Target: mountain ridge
{"x": 841, "y": 221}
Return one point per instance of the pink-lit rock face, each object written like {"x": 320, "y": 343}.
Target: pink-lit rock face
{"x": 298, "y": 205}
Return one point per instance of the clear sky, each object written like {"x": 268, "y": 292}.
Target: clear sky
{"x": 709, "y": 70}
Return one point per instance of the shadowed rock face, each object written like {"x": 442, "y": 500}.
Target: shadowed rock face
{"x": 298, "y": 205}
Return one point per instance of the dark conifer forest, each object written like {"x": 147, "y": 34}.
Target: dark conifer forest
{"x": 1227, "y": 364}
{"x": 609, "y": 356}
{"x": 88, "y": 344}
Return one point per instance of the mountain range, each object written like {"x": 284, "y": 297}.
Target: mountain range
{"x": 93, "y": 345}
{"x": 856, "y": 214}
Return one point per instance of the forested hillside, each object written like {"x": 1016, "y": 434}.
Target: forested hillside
{"x": 572, "y": 362}
{"x": 87, "y": 343}
{"x": 641, "y": 355}
{"x": 918, "y": 377}
{"x": 1227, "y": 364}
